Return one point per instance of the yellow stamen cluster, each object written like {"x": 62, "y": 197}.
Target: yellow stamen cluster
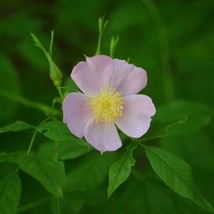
{"x": 107, "y": 106}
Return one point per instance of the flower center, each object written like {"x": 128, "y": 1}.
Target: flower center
{"x": 107, "y": 106}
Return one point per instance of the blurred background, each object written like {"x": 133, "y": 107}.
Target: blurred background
{"x": 173, "y": 40}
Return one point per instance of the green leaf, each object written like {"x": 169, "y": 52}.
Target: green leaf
{"x": 177, "y": 174}
{"x": 48, "y": 172}
{"x": 121, "y": 169}
{"x": 160, "y": 129}
{"x": 10, "y": 157}
{"x": 65, "y": 150}
{"x": 72, "y": 149}
{"x": 55, "y": 130}
{"x": 10, "y": 191}
{"x": 89, "y": 173}
{"x": 16, "y": 127}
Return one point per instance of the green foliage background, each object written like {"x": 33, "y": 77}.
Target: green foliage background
{"x": 172, "y": 39}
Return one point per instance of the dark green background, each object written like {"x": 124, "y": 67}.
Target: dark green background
{"x": 173, "y": 41}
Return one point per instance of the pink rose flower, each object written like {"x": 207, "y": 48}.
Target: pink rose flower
{"x": 109, "y": 99}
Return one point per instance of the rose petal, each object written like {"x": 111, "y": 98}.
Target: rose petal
{"x": 136, "y": 117}
{"x": 102, "y": 136}
{"x": 76, "y": 113}
{"x": 93, "y": 74}
{"x": 127, "y": 79}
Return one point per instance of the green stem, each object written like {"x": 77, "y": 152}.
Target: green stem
{"x": 98, "y": 51}
{"x": 31, "y": 142}
{"x": 101, "y": 25}
{"x": 29, "y": 148}
{"x": 30, "y": 103}
{"x": 164, "y": 49}
{"x": 33, "y": 137}
{"x": 60, "y": 92}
